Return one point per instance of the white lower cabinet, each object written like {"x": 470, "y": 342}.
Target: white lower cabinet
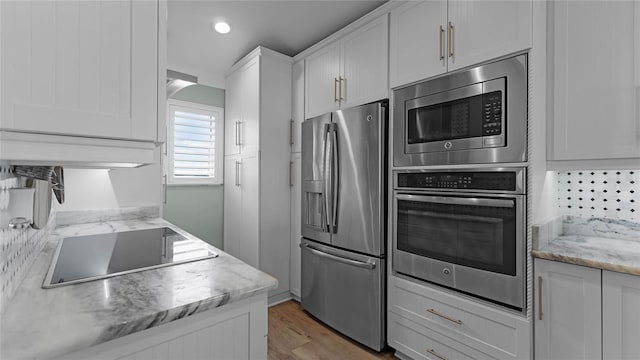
{"x": 425, "y": 322}
{"x": 234, "y": 331}
{"x": 568, "y": 321}
{"x": 620, "y": 316}
{"x": 585, "y": 313}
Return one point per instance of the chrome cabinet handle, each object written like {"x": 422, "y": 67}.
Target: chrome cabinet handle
{"x": 335, "y": 90}
{"x": 290, "y": 173}
{"x": 441, "y": 37}
{"x": 164, "y": 190}
{"x": 237, "y": 173}
{"x": 434, "y": 353}
{"x": 362, "y": 264}
{"x": 459, "y": 322}
{"x": 450, "y": 39}
{"x": 291, "y": 125}
{"x": 539, "y": 297}
{"x": 340, "y": 98}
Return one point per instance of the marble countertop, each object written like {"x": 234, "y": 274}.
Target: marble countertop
{"x": 45, "y": 323}
{"x": 598, "y": 252}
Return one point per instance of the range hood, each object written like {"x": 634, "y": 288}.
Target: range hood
{"x": 177, "y": 81}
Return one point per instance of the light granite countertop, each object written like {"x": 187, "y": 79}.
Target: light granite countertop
{"x": 45, "y": 323}
{"x": 597, "y": 252}
{"x": 606, "y": 244}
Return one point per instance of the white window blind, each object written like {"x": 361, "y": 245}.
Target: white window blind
{"x": 194, "y": 141}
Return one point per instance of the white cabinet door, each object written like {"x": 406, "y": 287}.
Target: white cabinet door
{"x": 243, "y": 109}
{"x": 568, "y": 306}
{"x": 250, "y": 105}
{"x": 86, "y": 68}
{"x": 233, "y": 113}
{"x": 296, "y": 220}
{"x": 297, "y": 105}
{"x": 249, "y": 222}
{"x": 418, "y": 41}
{"x": 364, "y": 64}
{"x": 232, "y": 205}
{"x": 486, "y": 29}
{"x": 620, "y": 316}
{"x": 322, "y": 70}
{"x": 595, "y": 47}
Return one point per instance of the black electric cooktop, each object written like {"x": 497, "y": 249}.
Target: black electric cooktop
{"x": 93, "y": 257}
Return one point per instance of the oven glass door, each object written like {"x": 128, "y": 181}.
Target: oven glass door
{"x": 478, "y": 232}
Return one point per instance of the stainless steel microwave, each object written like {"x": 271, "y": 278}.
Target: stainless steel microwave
{"x": 475, "y": 116}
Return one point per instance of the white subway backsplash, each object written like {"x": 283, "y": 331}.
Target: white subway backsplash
{"x": 607, "y": 194}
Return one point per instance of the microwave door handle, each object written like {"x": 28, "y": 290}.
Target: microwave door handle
{"x": 334, "y": 174}
{"x": 326, "y": 169}
{"x": 458, "y": 200}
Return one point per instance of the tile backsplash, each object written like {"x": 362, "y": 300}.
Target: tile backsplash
{"x": 18, "y": 248}
{"x": 608, "y": 194}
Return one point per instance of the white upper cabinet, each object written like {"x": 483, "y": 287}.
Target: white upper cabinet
{"x": 322, "y": 70}
{"x": 242, "y": 102}
{"x": 82, "y": 68}
{"x": 417, "y": 41}
{"x": 595, "y": 80}
{"x": 348, "y": 72}
{"x": 297, "y": 106}
{"x": 429, "y": 38}
{"x": 486, "y": 29}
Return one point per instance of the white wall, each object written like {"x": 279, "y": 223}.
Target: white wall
{"x": 93, "y": 189}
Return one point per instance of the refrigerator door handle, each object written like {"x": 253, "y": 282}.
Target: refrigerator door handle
{"x": 334, "y": 175}
{"x": 318, "y": 252}
{"x": 326, "y": 169}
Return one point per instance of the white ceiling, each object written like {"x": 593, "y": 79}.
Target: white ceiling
{"x": 287, "y": 26}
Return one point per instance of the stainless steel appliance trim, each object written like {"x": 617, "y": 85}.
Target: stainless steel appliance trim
{"x": 514, "y": 145}
{"x": 449, "y": 199}
{"x": 325, "y": 254}
{"x": 520, "y": 179}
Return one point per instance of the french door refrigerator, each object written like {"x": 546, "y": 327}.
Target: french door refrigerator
{"x": 343, "y": 221}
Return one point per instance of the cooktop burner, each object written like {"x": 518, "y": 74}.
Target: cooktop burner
{"x": 92, "y": 257}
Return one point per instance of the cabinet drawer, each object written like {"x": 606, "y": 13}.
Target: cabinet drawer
{"x": 500, "y": 334}
{"x": 419, "y": 342}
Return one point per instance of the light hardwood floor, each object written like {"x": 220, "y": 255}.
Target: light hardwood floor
{"x": 294, "y": 334}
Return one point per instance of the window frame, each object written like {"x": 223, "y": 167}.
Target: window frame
{"x": 187, "y": 106}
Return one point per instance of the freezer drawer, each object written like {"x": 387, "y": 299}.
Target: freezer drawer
{"x": 345, "y": 290}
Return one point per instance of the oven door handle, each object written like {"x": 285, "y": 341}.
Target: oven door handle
{"x": 474, "y": 201}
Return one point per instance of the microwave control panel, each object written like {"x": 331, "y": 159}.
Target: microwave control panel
{"x": 477, "y": 180}
{"x": 492, "y": 113}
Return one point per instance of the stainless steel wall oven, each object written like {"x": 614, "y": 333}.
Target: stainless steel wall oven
{"x": 464, "y": 229}
{"x": 474, "y": 116}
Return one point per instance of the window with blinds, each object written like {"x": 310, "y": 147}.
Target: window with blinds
{"x": 195, "y": 144}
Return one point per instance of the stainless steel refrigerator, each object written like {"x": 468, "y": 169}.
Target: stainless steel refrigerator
{"x": 343, "y": 221}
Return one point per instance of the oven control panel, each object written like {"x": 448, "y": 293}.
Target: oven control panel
{"x": 476, "y": 180}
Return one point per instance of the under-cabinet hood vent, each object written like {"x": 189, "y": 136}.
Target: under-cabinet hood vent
{"x": 177, "y": 81}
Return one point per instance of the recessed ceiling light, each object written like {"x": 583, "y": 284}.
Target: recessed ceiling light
{"x": 222, "y": 27}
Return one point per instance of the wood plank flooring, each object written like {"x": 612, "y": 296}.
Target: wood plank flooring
{"x": 295, "y": 335}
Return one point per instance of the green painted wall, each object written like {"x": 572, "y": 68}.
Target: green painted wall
{"x": 198, "y": 209}
{"x": 201, "y": 94}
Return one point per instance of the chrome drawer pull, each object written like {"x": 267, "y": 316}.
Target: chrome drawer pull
{"x": 459, "y": 322}
{"x": 434, "y": 353}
